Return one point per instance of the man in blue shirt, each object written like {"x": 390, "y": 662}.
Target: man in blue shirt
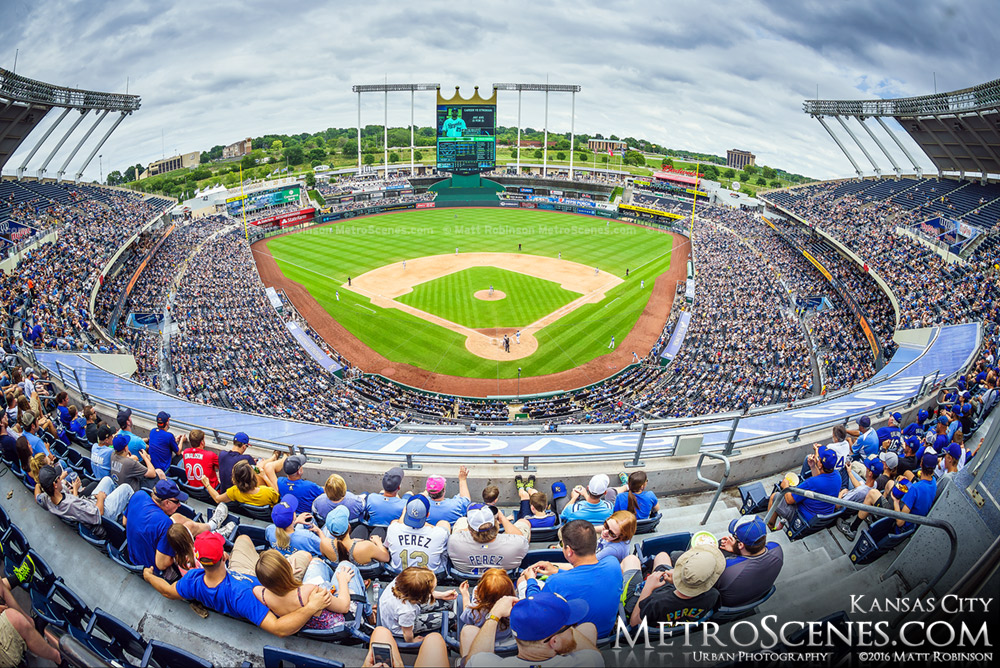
{"x": 451, "y": 509}
{"x": 587, "y": 503}
{"x": 383, "y": 507}
{"x": 599, "y": 582}
{"x": 100, "y": 452}
{"x": 30, "y": 432}
{"x": 215, "y": 587}
{"x": 917, "y": 428}
{"x": 162, "y": 444}
{"x": 825, "y": 480}
{"x": 135, "y": 444}
{"x": 917, "y": 500}
{"x": 890, "y": 439}
{"x": 293, "y": 483}
{"x": 867, "y": 443}
{"x": 62, "y": 405}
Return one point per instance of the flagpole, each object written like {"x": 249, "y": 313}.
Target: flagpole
{"x": 243, "y": 200}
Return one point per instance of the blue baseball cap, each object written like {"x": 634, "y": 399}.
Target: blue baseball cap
{"x": 922, "y": 415}
{"x": 943, "y": 419}
{"x": 929, "y": 460}
{"x": 941, "y": 442}
{"x": 120, "y": 442}
{"x": 283, "y": 514}
{"x": 914, "y": 442}
{"x": 241, "y": 437}
{"x": 542, "y": 615}
{"x": 827, "y": 458}
{"x": 967, "y": 408}
{"x": 168, "y": 489}
{"x": 955, "y": 450}
{"x": 337, "y": 521}
{"x": 162, "y": 417}
{"x": 874, "y": 464}
{"x": 898, "y": 417}
{"x": 748, "y": 529}
{"x": 417, "y": 509}
{"x": 864, "y": 422}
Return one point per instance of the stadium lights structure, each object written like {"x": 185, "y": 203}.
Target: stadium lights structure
{"x": 547, "y": 88}
{"x": 385, "y": 89}
{"x": 25, "y": 102}
{"x": 958, "y": 131}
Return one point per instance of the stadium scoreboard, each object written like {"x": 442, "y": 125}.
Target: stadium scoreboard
{"x": 466, "y": 134}
{"x": 263, "y": 199}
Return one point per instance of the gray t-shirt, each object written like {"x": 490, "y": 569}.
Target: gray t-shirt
{"x": 468, "y": 556}
{"x": 127, "y": 471}
{"x": 71, "y": 508}
{"x": 748, "y": 578}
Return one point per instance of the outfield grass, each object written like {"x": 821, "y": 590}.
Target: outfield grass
{"x": 527, "y": 299}
{"x": 321, "y": 259}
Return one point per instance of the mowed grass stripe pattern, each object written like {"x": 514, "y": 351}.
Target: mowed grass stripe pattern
{"x": 527, "y": 299}
{"x": 321, "y": 259}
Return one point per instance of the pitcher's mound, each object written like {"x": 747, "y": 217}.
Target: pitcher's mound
{"x": 487, "y": 297}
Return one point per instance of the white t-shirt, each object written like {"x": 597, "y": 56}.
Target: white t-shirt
{"x": 396, "y": 614}
{"x": 407, "y": 546}
{"x": 583, "y": 657}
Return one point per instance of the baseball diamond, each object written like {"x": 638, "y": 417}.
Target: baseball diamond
{"x": 423, "y": 323}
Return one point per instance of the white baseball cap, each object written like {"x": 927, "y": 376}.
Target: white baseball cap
{"x": 480, "y": 517}
{"x": 598, "y": 485}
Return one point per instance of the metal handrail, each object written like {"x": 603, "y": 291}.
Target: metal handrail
{"x": 884, "y": 512}
{"x": 719, "y": 484}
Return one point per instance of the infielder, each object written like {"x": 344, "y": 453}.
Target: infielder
{"x": 612, "y": 344}
{"x": 338, "y": 295}
{"x": 404, "y": 264}
{"x": 517, "y": 336}
{"x": 642, "y": 284}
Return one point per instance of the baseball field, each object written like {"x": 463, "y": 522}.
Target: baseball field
{"x": 438, "y": 289}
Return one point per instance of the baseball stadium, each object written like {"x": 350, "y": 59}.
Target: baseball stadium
{"x": 422, "y": 411}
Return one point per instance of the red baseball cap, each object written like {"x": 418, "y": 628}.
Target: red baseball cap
{"x": 210, "y": 547}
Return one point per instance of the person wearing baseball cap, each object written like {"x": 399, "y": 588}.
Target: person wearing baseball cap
{"x": 674, "y": 593}
{"x": 164, "y": 449}
{"x": 449, "y": 510}
{"x": 859, "y": 490}
{"x": 889, "y": 437}
{"x": 383, "y": 507}
{"x": 545, "y": 626}
{"x": 291, "y": 531}
{"x": 416, "y": 541}
{"x": 65, "y": 501}
{"x": 951, "y": 462}
{"x": 588, "y": 503}
{"x": 752, "y": 563}
{"x": 135, "y": 444}
{"x": 29, "y": 429}
{"x": 127, "y": 469}
{"x": 867, "y": 442}
{"x": 918, "y": 427}
{"x": 476, "y": 544}
{"x": 293, "y": 483}
{"x": 920, "y": 495}
{"x": 101, "y": 451}
{"x": 229, "y": 458}
{"x": 232, "y": 593}
{"x": 825, "y": 479}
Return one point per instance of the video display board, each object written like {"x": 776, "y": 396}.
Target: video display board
{"x": 466, "y": 138}
{"x": 263, "y": 199}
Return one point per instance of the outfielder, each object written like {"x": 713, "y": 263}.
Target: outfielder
{"x": 612, "y": 344}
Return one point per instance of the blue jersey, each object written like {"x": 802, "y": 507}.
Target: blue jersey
{"x": 233, "y": 596}
{"x": 162, "y": 448}
{"x": 919, "y": 499}
{"x": 381, "y": 510}
{"x": 100, "y": 460}
{"x": 890, "y": 439}
{"x": 579, "y": 582}
{"x": 915, "y": 429}
{"x": 146, "y": 527}
{"x": 300, "y": 539}
{"x": 867, "y": 444}
{"x": 825, "y": 483}
{"x": 355, "y": 505}
{"x": 644, "y": 499}
{"x": 305, "y": 491}
{"x": 448, "y": 510}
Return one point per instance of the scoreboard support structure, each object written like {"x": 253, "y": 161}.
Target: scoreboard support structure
{"x": 547, "y": 88}
{"x": 385, "y": 89}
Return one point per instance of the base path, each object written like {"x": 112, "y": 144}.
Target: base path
{"x": 643, "y": 336}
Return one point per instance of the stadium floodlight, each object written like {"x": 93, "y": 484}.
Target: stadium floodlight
{"x": 385, "y": 89}
{"x": 15, "y": 88}
{"x": 546, "y": 88}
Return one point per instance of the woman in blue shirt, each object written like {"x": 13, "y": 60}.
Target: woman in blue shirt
{"x": 635, "y": 498}
{"x": 290, "y": 532}
{"x": 616, "y": 536}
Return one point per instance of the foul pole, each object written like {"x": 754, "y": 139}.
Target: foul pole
{"x": 243, "y": 202}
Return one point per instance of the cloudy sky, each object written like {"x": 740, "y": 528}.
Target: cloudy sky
{"x": 697, "y": 75}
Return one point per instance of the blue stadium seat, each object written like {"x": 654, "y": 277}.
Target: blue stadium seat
{"x": 799, "y": 528}
{"x": 88, "y": 535}
{"x": 754, "y": 498}
{"x": 42, "y": 580}
{"x": 254, "y": 533}
{"x": 671, "y": 542}
{"x": 161, "y": 655}
{"x": 647, "y": 525}
{"x": 117, "y": 545}
{"x": 415, "y": 646}
{"x": 113, "y": 639}
{"x": 62, "y": 609}
{"x": 5, "y": 522}
{"x": 724, "y": 614}
{"x": 534, "y": 556}
{"x": 453, "y": 640}
{"x": 198, "y": 493}
{"x": 14, "y": 548}
{"x": 878, "y": 539}
{"x": 277, "y": 657}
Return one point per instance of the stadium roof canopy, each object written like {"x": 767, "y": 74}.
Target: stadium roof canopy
{"x": 959, "y": 131}
{"x": 25, "y": 102}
